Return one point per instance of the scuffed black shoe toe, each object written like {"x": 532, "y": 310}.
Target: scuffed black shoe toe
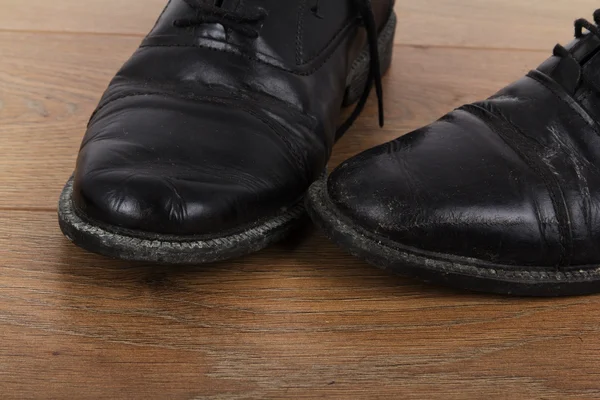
{"x": 501, "y": 195}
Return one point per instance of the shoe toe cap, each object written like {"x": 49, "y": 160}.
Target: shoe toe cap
{"x": 184, "y": 169}
{"x": 454, "y": 188}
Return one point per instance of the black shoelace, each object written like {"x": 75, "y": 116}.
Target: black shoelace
{"x": 366, "y": 13}
{"x": 250, "y": 23}
{"x": 580, "y": 24}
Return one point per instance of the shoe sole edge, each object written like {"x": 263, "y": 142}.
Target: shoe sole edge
{"x": 119, "y": 243}
{"x": 444, "y": 269}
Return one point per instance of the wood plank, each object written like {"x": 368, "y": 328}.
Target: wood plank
{"x": 271, "y": 325}
{"x": 50, "y": 85}
{"x": 44, "y": 105}
{"x": 504, "y": 24}
{"x": 93, "y": 16}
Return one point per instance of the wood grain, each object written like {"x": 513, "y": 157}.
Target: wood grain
{"x": 503, "y": 24}
{"x": 272, "y": 325}
{"x": 123, "y": 17}
{"x": 300, "y": 320}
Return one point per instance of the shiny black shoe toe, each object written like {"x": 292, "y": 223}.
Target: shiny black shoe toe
{"x": 221, "y": 168}
{"x": 204, "y": 144}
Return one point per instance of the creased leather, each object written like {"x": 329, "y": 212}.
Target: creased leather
{"x": 205, "y": 131}
{"x": 514, "y": 179}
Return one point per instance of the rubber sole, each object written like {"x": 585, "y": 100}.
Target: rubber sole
{"x": 116, "y": 242}
{"x": 130, "y": 245}
{"x": 445, "y": 269}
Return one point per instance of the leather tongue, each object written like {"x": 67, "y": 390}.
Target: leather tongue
{"x": 567, "y": 70}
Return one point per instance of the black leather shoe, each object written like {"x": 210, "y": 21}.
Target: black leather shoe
{"x": 206, "y": 141}
{"x": 500, "y": 196}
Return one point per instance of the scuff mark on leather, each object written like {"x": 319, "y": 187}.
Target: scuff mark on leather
{"x": 177, "y": 209}
{"x": 579, "y": 165}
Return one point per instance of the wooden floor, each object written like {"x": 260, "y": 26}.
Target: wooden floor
{"x": 299, "y": 320}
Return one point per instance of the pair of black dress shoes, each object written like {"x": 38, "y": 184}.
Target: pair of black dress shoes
{"x": 206, "y": 143}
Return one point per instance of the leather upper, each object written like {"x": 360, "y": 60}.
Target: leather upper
{"x": 205, "y": 130}
{"x": 514, "y": 179}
